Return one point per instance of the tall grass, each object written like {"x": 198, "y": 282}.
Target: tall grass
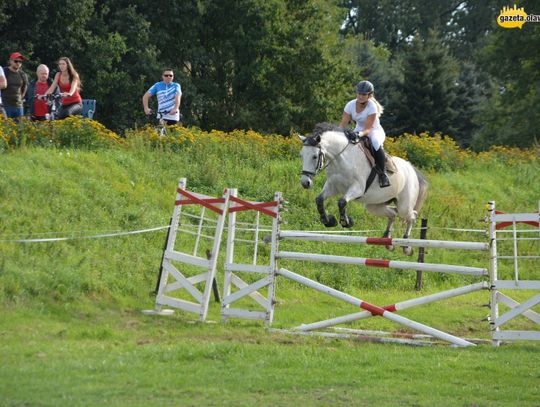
{"x": 100, "y": 182}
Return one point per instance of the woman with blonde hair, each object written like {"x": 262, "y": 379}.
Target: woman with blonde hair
{"x": 365, "y": 111}
{"x": 69, "y": 82}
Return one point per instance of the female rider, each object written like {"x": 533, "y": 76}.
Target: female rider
{"x": 365, "y": 111}
{"x": 69, "y": 82}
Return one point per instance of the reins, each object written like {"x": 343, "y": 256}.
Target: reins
{"x": 320, "y": 163}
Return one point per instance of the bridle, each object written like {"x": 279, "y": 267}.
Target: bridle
{"x": 320, "y": 160}
{"x": 319, "y": 166}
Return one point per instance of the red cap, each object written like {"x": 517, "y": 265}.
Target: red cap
{"x": 16, "y": 55}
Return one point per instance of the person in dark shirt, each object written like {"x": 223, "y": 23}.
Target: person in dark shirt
{"x": 17, "y": 84}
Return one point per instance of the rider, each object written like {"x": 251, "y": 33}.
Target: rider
{"x": 365, "y": 111}
{"x": 169, "y": 95}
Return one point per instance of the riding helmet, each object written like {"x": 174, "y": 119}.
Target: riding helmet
{"x": 364, "y": 87}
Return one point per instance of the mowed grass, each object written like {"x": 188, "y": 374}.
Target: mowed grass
{"x": 119, "y": 357}
{"x": 72, "y": 334}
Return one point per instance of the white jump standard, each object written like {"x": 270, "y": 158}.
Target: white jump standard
{"x": 180, "y": 281}
{"x": 244, "y": 280}
{"x": 499, "y": 221}
{"x": 388, "y": 311}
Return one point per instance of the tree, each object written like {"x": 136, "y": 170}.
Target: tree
{"x": 471, "y": 93}
{"x": 510, "y": 116}
{"x": 462, "y": 24}
{"x": 429, "y": 87}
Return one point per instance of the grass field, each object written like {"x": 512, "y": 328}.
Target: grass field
{"x": 72, "y": 332}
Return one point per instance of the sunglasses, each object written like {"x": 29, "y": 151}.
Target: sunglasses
{"x": 18, "y": 61}
{"x": 168, "y": 75}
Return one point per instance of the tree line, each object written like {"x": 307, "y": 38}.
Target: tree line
{"x": 277, "y": 66}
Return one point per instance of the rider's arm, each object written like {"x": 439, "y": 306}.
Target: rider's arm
{"x": 53, "y": 85}
{"x": 345, "y": 119}
{"x": 3, "y": 82}
{"x": 177, "y": 99}
{"x": 368, "y": 125}
{"x": 145, "y": 98}
{"x": 73, "y": 89}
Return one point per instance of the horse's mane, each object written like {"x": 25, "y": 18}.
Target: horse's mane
{"x": 321, "y": 128}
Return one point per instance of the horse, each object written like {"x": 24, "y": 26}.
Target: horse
{"x": 347, "y": 170}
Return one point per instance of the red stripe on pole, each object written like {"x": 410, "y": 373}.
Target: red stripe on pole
{"x": 259, "y": 206}
{"x": 391, "y": 308}
{"x": 502, "y": 225}
{"x": 383, "y": 241}
{"x": 192, "y": 202}
{"x": 377, "y": 263}
{"x": 201, "y": 201}
{"x": 375, "y": 310}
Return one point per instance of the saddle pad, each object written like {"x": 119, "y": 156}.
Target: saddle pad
{"x": 365, "y": 145}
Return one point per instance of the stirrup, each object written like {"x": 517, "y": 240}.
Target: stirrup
{"x": 384, "y": 181}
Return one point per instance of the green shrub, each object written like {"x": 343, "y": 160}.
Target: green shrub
{"x": 429, "y": 152}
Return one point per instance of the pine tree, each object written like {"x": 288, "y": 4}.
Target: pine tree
{"x": 429, "y": 87}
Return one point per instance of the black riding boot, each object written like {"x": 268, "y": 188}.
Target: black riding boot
{"x": 380, "y": 162}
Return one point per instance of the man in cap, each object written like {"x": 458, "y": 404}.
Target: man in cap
{"x": 17, "y": 83}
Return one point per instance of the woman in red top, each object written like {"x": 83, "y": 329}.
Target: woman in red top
{"x": 69, "y": 83}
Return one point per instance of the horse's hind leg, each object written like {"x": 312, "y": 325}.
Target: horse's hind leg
{"x": 409, "y": 217}
{"x": 384, "y": 211}
{"x": 408, "y": 250}
{"x": 327, "y": 220}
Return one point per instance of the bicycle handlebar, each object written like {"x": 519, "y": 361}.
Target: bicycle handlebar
{"x": 51, "y": 97}
{"x": 159, "y": 114}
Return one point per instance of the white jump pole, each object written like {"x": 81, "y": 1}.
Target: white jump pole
{"x": 381, "y": 241}
{"x": 373, "y": 309}
{"x": 360, "y": 261}
{"x": 396, "y": 307}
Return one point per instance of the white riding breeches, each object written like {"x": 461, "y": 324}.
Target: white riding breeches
{"x": 377, "y": 138}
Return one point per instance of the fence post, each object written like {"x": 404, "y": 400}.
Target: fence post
{"x": 421, "y": 252}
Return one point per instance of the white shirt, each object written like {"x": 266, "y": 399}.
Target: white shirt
{"x": 1, "y": 75}
{"x": 360, "y": 118}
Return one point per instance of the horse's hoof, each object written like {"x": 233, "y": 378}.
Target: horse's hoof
{"x": 330, "y": 221}
{"x": 347, "y": 222}
{"x": 408, "y": 250}
{"x": 390, "y": 247}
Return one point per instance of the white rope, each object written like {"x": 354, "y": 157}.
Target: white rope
{"x": 154, "y": 229}
{"x": 59, "y": 239}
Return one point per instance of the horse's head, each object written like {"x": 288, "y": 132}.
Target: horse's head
{"x": 312, "y": 159}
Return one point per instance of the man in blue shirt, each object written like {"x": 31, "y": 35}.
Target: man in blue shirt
{"x": 168, "y": 94}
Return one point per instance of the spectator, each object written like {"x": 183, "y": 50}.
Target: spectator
{"x": 169, "y": 94}
{"x": 35, "y": 97}
{"x": 17, "y": 83}
{"x": 3, "y": 85}
{"x": 69, "y": 82}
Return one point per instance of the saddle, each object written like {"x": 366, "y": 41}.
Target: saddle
{"x": 364, "y": 143}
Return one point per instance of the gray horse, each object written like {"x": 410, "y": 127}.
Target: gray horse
{"x": 347, "y": 171}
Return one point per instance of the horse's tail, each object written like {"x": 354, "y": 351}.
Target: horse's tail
{"x": 422, "y": 191}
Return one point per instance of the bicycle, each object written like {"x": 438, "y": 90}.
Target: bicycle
{"x": 53, "y": 100}
{"x": 161, "y": 126}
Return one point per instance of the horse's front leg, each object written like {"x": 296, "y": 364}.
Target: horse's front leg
{"x": 327, "y": 220}
{"x": 345, "y": 220}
